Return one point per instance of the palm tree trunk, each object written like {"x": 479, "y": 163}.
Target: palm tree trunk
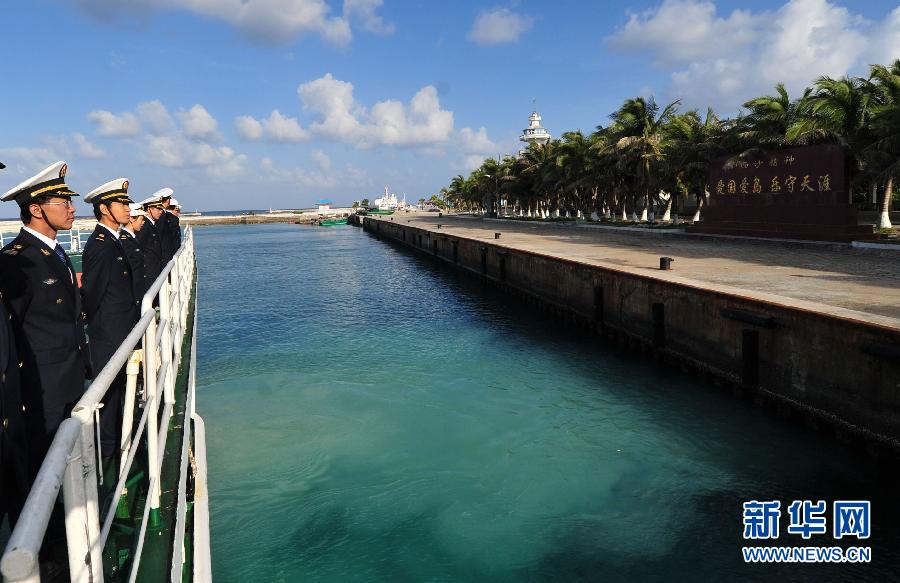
{"x": 884, "y": 221}
{"x": 667, "y": 215}
{"x": 700, "y": 199}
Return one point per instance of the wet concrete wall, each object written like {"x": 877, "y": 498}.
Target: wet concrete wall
{"x": 841, "y": 372}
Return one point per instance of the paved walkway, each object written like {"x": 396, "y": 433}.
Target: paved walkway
{"x": 862, "y": 280}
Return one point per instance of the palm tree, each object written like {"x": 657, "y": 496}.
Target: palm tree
{"x": 838, "y": 111}
{"x": 769, "y": 117}
{"x": 693, "y": 143}
{"x": 538, "y": 160}
{"x": 638, "y": 125}
{"x": 574, "y": 158}
{"x": 884, "y": 152}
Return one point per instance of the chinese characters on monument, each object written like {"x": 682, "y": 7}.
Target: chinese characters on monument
{"x": 797, "y": 193}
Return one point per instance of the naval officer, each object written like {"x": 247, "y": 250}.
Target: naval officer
{"x": 38, "y": 283}
{"x": 128, "y": 237}
{"x": 149, "y": 239}
{"x": 109, "y": 302}
{"x": 169, "y": 226}
{"x": 13, "y": 448}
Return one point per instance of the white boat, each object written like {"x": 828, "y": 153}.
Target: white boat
{"x": 386, "y": 203}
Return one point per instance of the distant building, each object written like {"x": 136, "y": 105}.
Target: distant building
{"x": 324, "y": 205}
{"x": 535, "y": 133}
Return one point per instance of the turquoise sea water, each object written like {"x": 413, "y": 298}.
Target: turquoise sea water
{"x": 373, "y": 416}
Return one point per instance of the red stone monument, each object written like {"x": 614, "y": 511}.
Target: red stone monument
{"x": 797, "y": 193}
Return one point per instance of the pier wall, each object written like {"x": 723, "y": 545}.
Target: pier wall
{"x": 842, "y": 371}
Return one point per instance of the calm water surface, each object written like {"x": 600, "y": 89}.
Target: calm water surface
{"x": 372, "y": 416}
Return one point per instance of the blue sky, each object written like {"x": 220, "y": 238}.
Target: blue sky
{"x": 275, "y": 103}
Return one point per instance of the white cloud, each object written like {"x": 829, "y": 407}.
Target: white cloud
{"x": 363, "y": 11}
{"x": 75, "y": 146}
{"x": 339, "y": 117}
{"x": 197, "y": 123}
{"x": 110, "y": 125}
{"x": 87, "y": 149}
{"x": 476, "y": 141}
{"x": 683, "y": 30}
{"x": 178, "y": 151}
{"x": 155, "y": 117}
{"x": 179, "y": 141}
{"x": 266, "y": 21}
{"x": 275, "y": 128}
{"x": 498, "y": 26}
{"x": 321, "y": 178}
{"x": 724, "y": 60}
{"x": 280, "y": 128}
{"x": 885, "y": 42}
{"x": 321, "y": 160}
{"x": 332, "y": 101}
{"x": 248, "y": 128}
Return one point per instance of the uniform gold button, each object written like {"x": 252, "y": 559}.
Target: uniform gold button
{"x": 21, "y": 364}
{"x": 5, "y": 423}
{"x": 58, "y": 300}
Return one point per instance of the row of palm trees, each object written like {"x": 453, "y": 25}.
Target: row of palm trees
{"x": 650, "y": 159}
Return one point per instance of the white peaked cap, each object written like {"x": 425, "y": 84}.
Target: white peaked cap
{"x": 164, "y": 193}
{"x": 118, "y": 187}
{"x": 174, "y": 202}
{"x": 54, "y": 172}
{"x": 136, "y": 210}
{"x": 150, "y": 200}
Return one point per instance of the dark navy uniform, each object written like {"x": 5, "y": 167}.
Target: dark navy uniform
{"x": 167, "y": 235}
{"x": 14, "y": 482}
{"x": 150, "y": 242}
{"x": 136, "y": 261}
{"x": 110, "y": 305}
{"x": 45, "y": 305}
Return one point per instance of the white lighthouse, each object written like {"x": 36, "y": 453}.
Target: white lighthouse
{"x": 535, "y": 133}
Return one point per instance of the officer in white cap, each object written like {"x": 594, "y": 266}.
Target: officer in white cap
{"x": 150, "y": 238}
{"x": 128, "y": 237}
{"x": 38, "y": 282}
{"x": 175, "y": 209}
{"x": 169, "y": 228}
{"x": 13, "y": 449}
{"x": 109, "y": 302}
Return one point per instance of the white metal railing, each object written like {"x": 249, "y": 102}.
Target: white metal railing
{"x": 72, "y": 240}
{"x": 72, "y": 459}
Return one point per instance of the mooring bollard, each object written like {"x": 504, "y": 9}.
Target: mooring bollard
{"x": 496, "y": 235}
{"x": 439, "y": 225}
{"x": 440, "y": 215}
{"x": 665, "y": 263}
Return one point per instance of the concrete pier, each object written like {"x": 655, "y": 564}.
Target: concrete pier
{"x": 810, "y": 327}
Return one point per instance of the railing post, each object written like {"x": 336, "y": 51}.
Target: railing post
{"x": 151, "y": 368}
{"x": 132, "y": 370}
{"x": 82, "y": 505}
{"x": 165, "y": 315}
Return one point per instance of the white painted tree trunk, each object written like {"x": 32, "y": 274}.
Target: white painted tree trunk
{"x": 624, "y": 214}
{"x": 884, "y": 220}
{"x": 667, "y": 216}
{"x": 634, "y": 217}
{"x": 607, "y": 214}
